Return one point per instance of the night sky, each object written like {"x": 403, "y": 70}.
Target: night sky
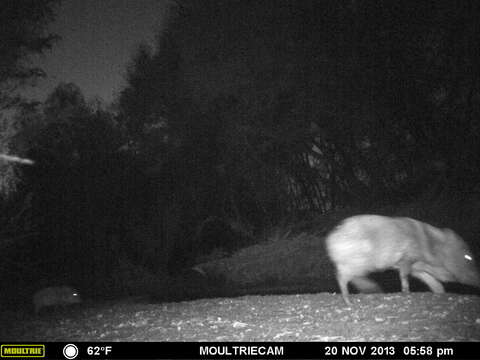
{"x": 98, "y": 40}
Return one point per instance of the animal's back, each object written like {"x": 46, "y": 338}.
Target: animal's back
{"x": 369, "y": 242}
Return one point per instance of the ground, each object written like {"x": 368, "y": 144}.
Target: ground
{"x": 421, "y": 316}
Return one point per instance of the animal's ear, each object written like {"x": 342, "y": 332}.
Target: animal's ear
{"x": 438, "y": 236}
{"x": 452, "y": 236}
{"x": 449, "y": 233}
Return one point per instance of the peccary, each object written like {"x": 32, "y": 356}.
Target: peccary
{"x": 55, "y": 296}
{"x": 363, "y": 244}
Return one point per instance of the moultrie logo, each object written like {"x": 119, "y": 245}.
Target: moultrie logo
{"x": 22, "y": 350}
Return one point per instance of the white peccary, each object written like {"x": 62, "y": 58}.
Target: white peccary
{"x": 363, "y": 244}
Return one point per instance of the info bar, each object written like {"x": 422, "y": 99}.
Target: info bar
{"x": 242, "y": 350}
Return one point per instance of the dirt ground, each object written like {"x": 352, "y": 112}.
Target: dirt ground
{"x": 306, "y": 317}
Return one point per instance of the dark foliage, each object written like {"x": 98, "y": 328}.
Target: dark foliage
{"x": 74, "y": 200}
{"x": 22, "y": 34}
{"x": 268, "y": 108}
